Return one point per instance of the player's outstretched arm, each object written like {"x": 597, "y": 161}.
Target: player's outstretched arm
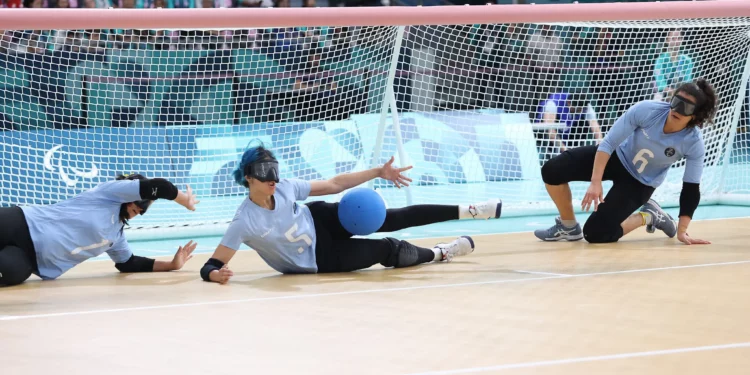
{"x": 137, "y": 263}
{"x": 349, "y": 180}
{"x": 623, "y": 128}
{"x": 159, "y": 188}
{"x": 215, "y": 269}
{"x": 187, "y": 198}
{"x": 183, "y": 254}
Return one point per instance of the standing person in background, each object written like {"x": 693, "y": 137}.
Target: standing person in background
{"x": 574, "y": 111}
{"x": 672, "y": 67}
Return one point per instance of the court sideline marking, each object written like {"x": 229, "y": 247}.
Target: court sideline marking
{"x": 543, "y": 273}
{"x": 588, "y": 359}
{"x": 367, "y": 291}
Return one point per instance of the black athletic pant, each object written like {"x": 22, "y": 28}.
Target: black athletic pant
{"x": 625, "y": 197}
{"x": 336, "y": 251}
{"x": 17, "y": 254}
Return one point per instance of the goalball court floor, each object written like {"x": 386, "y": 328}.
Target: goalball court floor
{"x": 645, "y": 305}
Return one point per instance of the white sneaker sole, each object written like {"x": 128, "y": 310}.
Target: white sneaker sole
{"x": 576, "y": 237}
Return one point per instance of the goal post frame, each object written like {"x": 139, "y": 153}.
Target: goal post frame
{"x": 229, "y": 18}
{"x": 388, "y": 102}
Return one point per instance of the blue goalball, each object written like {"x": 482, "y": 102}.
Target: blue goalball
{"x": 362, "y": 211}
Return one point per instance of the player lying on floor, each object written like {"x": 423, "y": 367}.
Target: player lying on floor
{"x": 636, "y": 156}
{"x": 309, "y": 238}
{"x": 49, "y": 240}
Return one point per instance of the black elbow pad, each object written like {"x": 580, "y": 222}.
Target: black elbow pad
{"x": 690, "y": 197}
{"x": 211, "y": 265}
{"x": 156, "y": 188}
{"x": 136, "y": 264}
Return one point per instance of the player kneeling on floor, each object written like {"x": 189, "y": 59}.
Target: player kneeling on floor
{"x": 49, "y": 240}
{"x": 297, "y": 238}
{"x": 636, "y": 156}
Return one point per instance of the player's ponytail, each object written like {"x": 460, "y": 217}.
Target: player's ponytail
{"x": 706, "y": 113}
{"x": 708, "y": 102}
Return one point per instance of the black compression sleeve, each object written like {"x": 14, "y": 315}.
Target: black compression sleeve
{"x": 136, "y": 264}
{"x": 156, "y": 188}
{"x": 690, "y": 197}
{"x": 418, "y": 215}
{"x": 211, "y": 265}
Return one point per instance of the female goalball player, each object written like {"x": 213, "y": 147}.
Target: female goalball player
{"x": 636, "y": 155}
{"x": 309, "y": 238}
{"x": 49, "y": 240}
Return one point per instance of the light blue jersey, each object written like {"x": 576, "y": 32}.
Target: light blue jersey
{"x": 284, "y": 237}
{"x": 647, "y": 152}
{"x": 85, "y": 226}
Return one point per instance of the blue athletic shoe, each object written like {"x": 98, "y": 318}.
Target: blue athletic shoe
{"x": 559, "y": 232}
{"x": 659, "y": 219}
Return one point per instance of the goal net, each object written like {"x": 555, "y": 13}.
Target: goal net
{"x": 476, "y": 109}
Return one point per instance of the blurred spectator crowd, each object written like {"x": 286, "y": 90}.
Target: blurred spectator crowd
{"x": 511, "y": 67}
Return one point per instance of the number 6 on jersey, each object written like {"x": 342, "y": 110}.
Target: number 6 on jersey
{"x": 639, "y": 158}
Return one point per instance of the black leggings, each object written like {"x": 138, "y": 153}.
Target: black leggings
{"x": 625, "y": 197}
{"x": 337, "y": 251}
{"x": 17, "y": 255}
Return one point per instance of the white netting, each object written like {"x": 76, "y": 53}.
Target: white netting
{"x": 80, "y": 107}
{"x": 489, "y": 101}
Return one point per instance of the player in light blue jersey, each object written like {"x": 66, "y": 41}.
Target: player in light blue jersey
{"x": 297, "y": 238}
{"x": 49, "y": 240}
{"x": 636, "y": 155}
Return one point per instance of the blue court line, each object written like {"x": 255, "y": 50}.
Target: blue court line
{"x": 447, "y": 229}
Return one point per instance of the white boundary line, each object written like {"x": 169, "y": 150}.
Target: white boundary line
{"x": 588, "y": 359}
{"x": 366, "y": 291}
{"x": 543, "y": 273}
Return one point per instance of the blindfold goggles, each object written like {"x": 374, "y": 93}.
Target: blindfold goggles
{"x": 683, "y": 106}
{"x": 265, "y": 171}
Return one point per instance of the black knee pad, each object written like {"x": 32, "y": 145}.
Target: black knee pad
{"x": 552, "y": 172}
{"x": 403, "y": 254}
{"x": 597, "y": 231}
{"x": 15, "y": 268}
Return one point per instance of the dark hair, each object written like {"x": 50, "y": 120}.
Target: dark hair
{"x": 124, "y": 206}
{"x": 251, "y": 155}
{"x": 707, "y": 103}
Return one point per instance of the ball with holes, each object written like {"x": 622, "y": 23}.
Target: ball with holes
{"x": 362, "y": 211}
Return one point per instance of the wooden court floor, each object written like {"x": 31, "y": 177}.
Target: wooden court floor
{"x": 646, "y": 305}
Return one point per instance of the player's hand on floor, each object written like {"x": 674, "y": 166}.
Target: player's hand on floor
{"x": 594, "y": 195}
{"x": 388, "y": 172}
{"x": 184, "y": 254}
{"x": 687, "y": 240}
{"x": 223, "y": 275}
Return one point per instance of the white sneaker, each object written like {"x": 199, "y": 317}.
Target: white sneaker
{"x": 460, "y": 246}
{"x": 486, "y": 210}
